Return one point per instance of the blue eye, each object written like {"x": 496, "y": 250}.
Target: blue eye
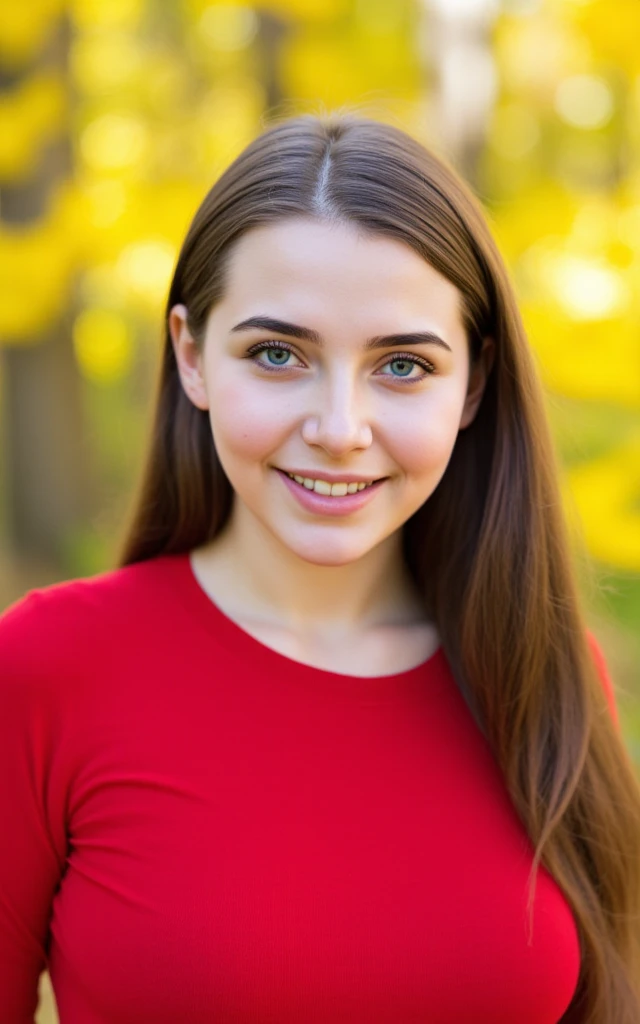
{"x": 274, "y": 352}
{"x": 407, "y": 365}
{"x": 406, "y": 362}
{"x": 278, "y": 353}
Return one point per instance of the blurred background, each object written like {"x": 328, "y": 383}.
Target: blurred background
{"x": 116, "y": 117}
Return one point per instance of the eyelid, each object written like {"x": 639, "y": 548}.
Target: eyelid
{"x": 262, "y": 346}
{"x": 272, "y": 343}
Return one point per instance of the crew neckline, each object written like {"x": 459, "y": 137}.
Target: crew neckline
{"x": 244, "y": 645}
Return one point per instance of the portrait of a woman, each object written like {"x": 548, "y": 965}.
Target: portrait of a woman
{"x": 332, "y": 742}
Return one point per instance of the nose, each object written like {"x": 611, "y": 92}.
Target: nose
{"x": 339, "y": 422}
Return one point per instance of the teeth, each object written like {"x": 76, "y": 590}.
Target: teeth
{"x": 326, "y": 488}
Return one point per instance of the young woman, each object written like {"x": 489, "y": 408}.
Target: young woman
{"x": 331, "y": 743}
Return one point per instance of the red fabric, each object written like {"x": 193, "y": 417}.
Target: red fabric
{"x": 605, "y": 678}
{"x": 199, "y": 829}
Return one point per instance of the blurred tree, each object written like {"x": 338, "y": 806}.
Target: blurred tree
{"x": 44, "y": 477}
{"x": 458, "y": 47}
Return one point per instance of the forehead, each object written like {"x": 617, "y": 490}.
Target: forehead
{"x": 302, "y": 265}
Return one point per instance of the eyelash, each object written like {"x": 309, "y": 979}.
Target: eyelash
{"x": 263, "y": 346}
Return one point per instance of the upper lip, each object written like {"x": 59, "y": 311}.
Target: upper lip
{"x": 332, "y": 478}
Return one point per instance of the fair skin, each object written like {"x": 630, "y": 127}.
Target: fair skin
{"x": 330, "y": 591}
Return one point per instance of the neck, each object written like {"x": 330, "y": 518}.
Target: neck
{"x": 267, "y": 581}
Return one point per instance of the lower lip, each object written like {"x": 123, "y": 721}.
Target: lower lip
{"x": 327, "y": 506}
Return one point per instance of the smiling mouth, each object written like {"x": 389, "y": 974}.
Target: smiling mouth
{"x": 328, "y": 489}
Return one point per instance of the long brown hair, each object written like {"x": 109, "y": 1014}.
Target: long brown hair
{"x": 488, "y": 549}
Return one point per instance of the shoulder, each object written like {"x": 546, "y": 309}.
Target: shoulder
{"x": 79, "y": 601}
{"x": 56, "y": 631}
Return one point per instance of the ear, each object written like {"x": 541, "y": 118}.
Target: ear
{"x": 478, "y": 376}
{"x": 188, "y": 357}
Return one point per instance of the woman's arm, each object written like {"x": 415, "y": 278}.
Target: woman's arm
{"x": 31, "y": 841}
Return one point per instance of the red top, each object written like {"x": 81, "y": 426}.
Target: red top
{"x": 200, "y": 829}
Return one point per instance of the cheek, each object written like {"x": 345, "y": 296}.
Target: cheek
{"x": 246, "y": 422}
{"x": 421, "y": 441}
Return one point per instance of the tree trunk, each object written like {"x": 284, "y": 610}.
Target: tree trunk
{"x": 42, "y": 430}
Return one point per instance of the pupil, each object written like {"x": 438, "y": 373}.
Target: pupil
{"x": 403, "y": 362}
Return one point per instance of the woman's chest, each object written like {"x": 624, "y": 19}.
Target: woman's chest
{"x": 318, "y": 864}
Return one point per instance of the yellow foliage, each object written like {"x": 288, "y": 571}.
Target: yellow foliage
{"x": 613, "y": 27}
{"x": 103, "y": 61}
{"x": 579, "y": 287}
{"x": 114, "y": 141}
{"x": 30, "y": 116}
{"x": 106, "y": 200}
{"x": 144, "y": 268}
{"x": 345, "y": 69}
{"x": 100, "y": 286}
{"x": 584, "y": 101}
{"x": 585, "y": 289}
{"x": 321, "y": 69}
{"x": 308, "y": 10}
{"x": 228, "y": 27}
{"x": 89, "y": 14}
{"x": 548, "y": 210}
{"x": 592, "y": 361}
{"x": 103, "y": 345}
{"x": 38, "y": 261}
{"x": 515, "y": 131}
{"x": 88, "y": 228}
{"x": 536, "y": 51}
{"x": 227, "y": 120}
{"x": 288, "y": 10}
{"x": 112, "y": 215}
{"x": 36, "y": 264}
{"x": 606, "y": 495}
{"x": 24, "y": 28}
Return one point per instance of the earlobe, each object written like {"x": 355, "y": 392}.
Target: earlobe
{"x": 478, "y": 377}
{"x": 188, "y": 357}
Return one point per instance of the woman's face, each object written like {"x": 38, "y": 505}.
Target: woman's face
{"x": 328, "y": 392}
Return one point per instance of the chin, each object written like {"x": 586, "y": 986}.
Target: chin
{"x": 326, "y": 552}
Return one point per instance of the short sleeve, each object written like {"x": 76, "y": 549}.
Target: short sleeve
{"x": 605, "y": 678}
{"x": 31, "y": 839}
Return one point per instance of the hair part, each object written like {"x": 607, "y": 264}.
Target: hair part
{"x": 498, "y": 580}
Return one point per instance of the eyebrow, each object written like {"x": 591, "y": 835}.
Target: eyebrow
{"x": 269, "y": 323}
